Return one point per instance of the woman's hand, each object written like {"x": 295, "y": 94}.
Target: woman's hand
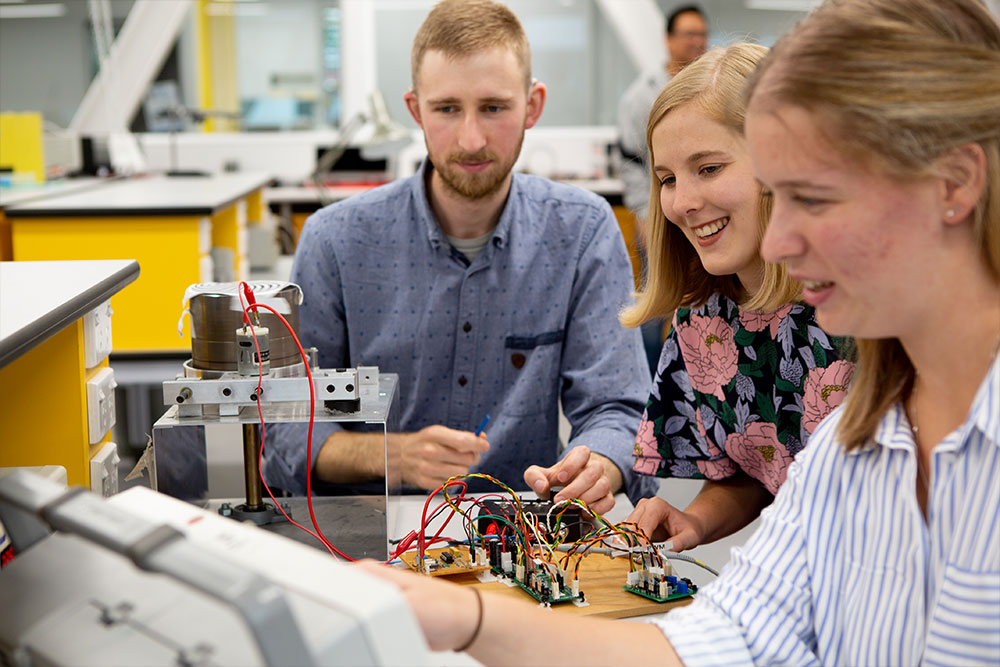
{"x": 662, "y": 521}
{"x": 447, "y": 613}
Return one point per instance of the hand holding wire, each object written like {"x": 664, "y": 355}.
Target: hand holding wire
{"x": 435, "y": 453}
{"x": 661, "y": 520}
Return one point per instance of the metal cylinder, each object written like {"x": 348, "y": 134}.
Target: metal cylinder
{"x": 251, "y": 467}
{"x": 216, "y": 315}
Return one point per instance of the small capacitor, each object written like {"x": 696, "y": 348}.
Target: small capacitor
{"x": 247, "y": 362}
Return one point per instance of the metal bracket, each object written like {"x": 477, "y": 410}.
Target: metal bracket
{"x": 231, "y": 391}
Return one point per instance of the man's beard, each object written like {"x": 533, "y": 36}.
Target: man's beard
{"x": 478, "y": 185}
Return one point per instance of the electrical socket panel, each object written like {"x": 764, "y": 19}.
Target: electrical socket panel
{"x": 101, "y": 404}
{"x": 206, "y": 268}
{"x": 97, "y": 335}
{"x": 204, "y": 236}
{"x": 104, "y": 470}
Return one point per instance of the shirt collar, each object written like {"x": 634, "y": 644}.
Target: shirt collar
{"x": 893, "y": 430}
{"x": 436, "y": 235}
{"x": 986, "y": 405}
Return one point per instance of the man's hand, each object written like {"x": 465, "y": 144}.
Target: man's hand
{"x": 424, "y": 459}
{"x": 661, "y": 521}
{"x": 433, "y": 454}
{"x": 592, "y": 478}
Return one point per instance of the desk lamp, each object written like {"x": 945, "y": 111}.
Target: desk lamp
{"x": 388, "y": 138}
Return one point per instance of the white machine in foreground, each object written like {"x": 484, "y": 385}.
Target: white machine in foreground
{"x": 142, "y": 578}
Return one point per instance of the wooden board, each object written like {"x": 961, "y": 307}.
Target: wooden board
{"x": 601, "y": 580}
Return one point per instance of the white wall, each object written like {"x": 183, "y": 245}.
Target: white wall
{"x": 285, "y": 38}
{"x": 729, "y": 21}
{"x": 46, "y": 64}
{"x": 573, "y": 51}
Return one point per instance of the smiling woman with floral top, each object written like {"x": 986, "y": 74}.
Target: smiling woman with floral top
{"x": 745, "y": 374}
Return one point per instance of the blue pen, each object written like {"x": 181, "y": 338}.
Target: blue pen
{"x": 482, "y": 425}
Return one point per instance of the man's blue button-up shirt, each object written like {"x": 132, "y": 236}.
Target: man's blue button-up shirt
{"x": 532, "y": 319}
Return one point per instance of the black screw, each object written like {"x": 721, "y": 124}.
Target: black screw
{"x": 227, "y": 391}
{"x": 329, "y": 388}
{"x": 349, "y": 387}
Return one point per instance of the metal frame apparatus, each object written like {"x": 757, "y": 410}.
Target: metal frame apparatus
{"x": 246, "y": 369}
{"x": 227, "y": 394}
{"x": 345, "y": 395}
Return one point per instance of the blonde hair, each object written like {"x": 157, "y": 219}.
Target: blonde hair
{"x": 894, "y": 85}
{"x": 675, "y": 276}
{"x": 460, "y": 28}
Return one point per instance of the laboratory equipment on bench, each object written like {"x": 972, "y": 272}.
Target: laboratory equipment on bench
{"x": 142, "y": 578}
{"x": 247, "y": 371}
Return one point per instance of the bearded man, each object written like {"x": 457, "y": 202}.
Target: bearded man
{"x": 488, "y": 292}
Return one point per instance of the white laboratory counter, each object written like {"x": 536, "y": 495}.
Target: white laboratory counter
{"x": 38, "y": 299}
{"x": 43, "y": 370}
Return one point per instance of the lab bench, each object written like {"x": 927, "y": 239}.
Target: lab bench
{"x": 169, "y": 224}
{"x": 47, "y": 357}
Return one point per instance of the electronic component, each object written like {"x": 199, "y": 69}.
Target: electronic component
{"x": 248, "y": 362}
{"x": 443, "y": 561}
{"x": 544, "y": 581}
{"x": 571, "y": 524}
{"x": 539, "y": 546}
{"x": 653, "y": 584}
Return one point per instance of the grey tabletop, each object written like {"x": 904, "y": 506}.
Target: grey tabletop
{"x": 39, "y": 299}
{"x": 22, "y": 194}
{"x": 147, "y": 195}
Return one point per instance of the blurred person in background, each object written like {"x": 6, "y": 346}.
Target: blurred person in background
{"x": 686, "y": 39}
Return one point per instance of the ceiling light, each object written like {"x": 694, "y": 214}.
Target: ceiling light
{"x": 42, "y": 11}
{"x": 783, "y": 5}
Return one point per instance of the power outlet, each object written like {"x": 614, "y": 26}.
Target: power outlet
{"x": 206, "y": 268}
{"x": 97, "y": 335}
{"x": 104, "y": 471}
{"x": 101, "y": 404}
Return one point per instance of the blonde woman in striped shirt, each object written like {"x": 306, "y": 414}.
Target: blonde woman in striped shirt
{"x": 876, "y": 126}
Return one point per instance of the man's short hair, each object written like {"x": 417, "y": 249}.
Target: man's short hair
{"x": 683, "y": 9}
{"x": 464, "y": 27}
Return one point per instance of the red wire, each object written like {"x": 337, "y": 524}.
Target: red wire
{"x": 406, "y": 542}
{"x": 312, "y": 412}
{"x": 459, "y": 498}
{"x": 421, "y": 547}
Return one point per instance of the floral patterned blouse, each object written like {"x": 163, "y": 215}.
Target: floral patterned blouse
{"x": 739, "y": 389}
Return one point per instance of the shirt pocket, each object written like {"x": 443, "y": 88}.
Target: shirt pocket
{"x": 965, "y": 626}
{"x": 531, "y": 372}
{"x": 874, "y": 601}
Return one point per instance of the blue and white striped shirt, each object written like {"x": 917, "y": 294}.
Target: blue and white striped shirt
{"x": 844, "y": 569}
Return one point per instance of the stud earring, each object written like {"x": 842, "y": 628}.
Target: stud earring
{"x": 950, "y": 213}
